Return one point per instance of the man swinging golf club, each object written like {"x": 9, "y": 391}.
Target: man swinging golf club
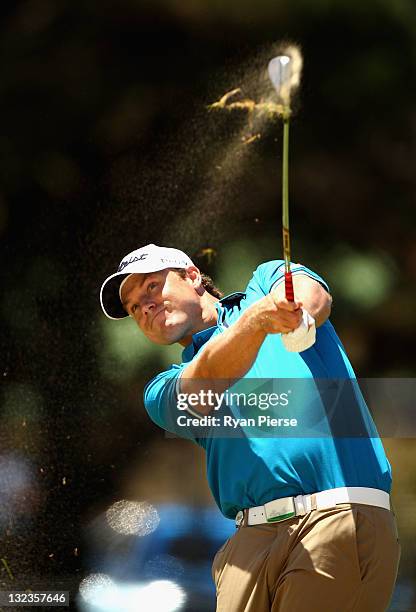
{"x": 315, "y": 530}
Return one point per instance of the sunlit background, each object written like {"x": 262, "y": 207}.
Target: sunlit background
{"x": 107, "y": 144}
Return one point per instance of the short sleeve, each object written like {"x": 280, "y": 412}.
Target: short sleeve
{"x": 161, "y": 402}
{"x": 270, "y": 274}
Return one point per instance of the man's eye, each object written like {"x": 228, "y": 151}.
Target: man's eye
{"x": 133, "y": 308}
{"x": 151, "y": 286}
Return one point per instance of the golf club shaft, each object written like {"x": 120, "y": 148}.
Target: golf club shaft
{"x": 285, "y": 212}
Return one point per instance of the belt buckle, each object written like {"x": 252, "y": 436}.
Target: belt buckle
{"x": 300, "y": 505}
{"x": 280, "y": 509}
{"x": 239, "y": 518}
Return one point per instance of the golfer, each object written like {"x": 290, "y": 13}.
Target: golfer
{"x": 315, "y": 529}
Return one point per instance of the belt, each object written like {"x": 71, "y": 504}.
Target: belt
{"x": 289, "y": 507}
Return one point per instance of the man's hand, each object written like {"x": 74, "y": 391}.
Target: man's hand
{"x": 274, "y": 314}
{"x": 315, "y": 299}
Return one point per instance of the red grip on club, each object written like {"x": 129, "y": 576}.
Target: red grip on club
{"x": 290, "y": 296}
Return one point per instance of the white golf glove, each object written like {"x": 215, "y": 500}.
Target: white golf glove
{"x": 303, "y": 337}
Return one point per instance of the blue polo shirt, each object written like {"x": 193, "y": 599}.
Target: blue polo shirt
{"x": 249, "y": 470}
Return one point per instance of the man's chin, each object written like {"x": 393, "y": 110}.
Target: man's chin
{"x": 170, "y": 334}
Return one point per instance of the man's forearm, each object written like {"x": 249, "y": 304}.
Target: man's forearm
{"x": 230, "y": 355}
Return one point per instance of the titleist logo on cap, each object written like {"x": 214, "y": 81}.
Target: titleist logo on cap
{"x": 127, "y": 262}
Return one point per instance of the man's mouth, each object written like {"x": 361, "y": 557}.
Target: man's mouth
{"x": 156, "y": 315}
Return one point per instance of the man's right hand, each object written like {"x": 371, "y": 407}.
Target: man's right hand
{"x": 274, "y": 315}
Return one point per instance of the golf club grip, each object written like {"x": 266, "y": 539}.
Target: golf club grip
{"x": 290, "y": 296}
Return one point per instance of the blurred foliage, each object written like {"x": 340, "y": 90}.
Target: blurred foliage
{"x": 124, "y": 350}
{"x": 107, "y": 144}
{"x": 365, "y": 280}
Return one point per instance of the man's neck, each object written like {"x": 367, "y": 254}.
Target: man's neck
{"x": 209, "y": 316}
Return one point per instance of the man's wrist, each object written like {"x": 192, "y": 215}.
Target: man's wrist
{"x": 254, "y": 320}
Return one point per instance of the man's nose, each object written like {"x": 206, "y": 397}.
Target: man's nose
{"x": 148, "y": 307}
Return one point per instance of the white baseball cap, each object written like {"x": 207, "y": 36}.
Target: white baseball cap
{"x": 150, "y": 258}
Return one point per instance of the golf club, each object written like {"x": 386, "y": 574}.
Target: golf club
{"x": 280, "y": 73}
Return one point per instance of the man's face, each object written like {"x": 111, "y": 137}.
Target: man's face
{"x": 166, "y": 307}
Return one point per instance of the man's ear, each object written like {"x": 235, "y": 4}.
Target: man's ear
{"x": 194, "y": 275}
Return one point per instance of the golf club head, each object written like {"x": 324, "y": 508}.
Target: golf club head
{"x": 280, "y": 73}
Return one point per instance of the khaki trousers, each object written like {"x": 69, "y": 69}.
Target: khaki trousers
{"x": 334, "y": 560}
